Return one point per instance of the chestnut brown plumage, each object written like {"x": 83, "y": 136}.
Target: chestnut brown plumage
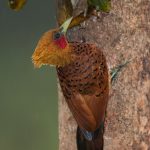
{"x": 83, "y": 76}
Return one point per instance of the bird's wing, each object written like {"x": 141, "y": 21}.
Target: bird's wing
{"x": 88, "y": 103}
{"x": 88, "y": 110}
{"x": 82, "y": 112}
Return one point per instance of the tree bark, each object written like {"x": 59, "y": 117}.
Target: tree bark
{"x": 123, "y": 34}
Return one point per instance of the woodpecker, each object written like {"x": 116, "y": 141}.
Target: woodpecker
{"x": 83, "y": 76}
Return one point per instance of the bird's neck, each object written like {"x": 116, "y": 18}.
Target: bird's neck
{"x": 62, "y": 57}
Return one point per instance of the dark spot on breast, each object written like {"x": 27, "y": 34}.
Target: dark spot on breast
{"x": 74, "y": 86}
{"x": 77, "y": 64}
{"x": 98, "y": 95}
{"x": 77, "y": 69}
{"x": 101, "y": 74}
{"x": 95, "y": 62}
{"x": 80, "y": 84}
{"x": 94, "y": 77}
{"x": 61, "y": 80}
{"x": 100, "y": 85}
{"x": 68, "y": 84}
{"x": 95, "y": 69}
{"x": 80, "y": 90}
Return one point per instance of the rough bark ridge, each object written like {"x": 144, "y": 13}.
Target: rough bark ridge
{"x": 122, "y": 34}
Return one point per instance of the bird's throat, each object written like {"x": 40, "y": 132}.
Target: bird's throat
{"x": 61, "y": 58}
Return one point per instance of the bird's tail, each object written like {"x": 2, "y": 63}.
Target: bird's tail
{"x": 90, "y": 140}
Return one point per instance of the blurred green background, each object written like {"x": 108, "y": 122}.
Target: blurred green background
{"x": 28, "y": 96}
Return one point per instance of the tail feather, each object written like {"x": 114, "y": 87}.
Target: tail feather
{"x": 96, "y": 143}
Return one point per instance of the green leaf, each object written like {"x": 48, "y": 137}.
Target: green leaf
{"x": 103, "y": 5}
{"x": 16, "y": 5}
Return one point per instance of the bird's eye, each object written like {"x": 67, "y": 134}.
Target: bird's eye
{"x": 57, "y": 36}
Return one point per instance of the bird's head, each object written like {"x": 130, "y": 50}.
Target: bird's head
{"x": 53, "y": 48}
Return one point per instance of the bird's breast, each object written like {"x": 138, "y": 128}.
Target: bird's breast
{"x": 87, "y": 70}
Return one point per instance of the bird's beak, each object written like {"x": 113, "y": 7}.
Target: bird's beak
{"x": 65, "y": 25}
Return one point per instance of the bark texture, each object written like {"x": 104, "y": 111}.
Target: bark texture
{"x": 123, "y": 34}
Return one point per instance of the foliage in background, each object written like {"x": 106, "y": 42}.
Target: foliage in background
{"x": 16, "y": 4}
{"x": 103, "y": 5}
{"x": 66, "y": 10}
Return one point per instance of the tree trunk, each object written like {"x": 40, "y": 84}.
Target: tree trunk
{"x": 123, "y": 34}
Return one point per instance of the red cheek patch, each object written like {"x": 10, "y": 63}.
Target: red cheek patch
{"x": 61, "y": 42}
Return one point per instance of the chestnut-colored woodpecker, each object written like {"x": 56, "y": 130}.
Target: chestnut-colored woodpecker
{"x": 83, "y": 76}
